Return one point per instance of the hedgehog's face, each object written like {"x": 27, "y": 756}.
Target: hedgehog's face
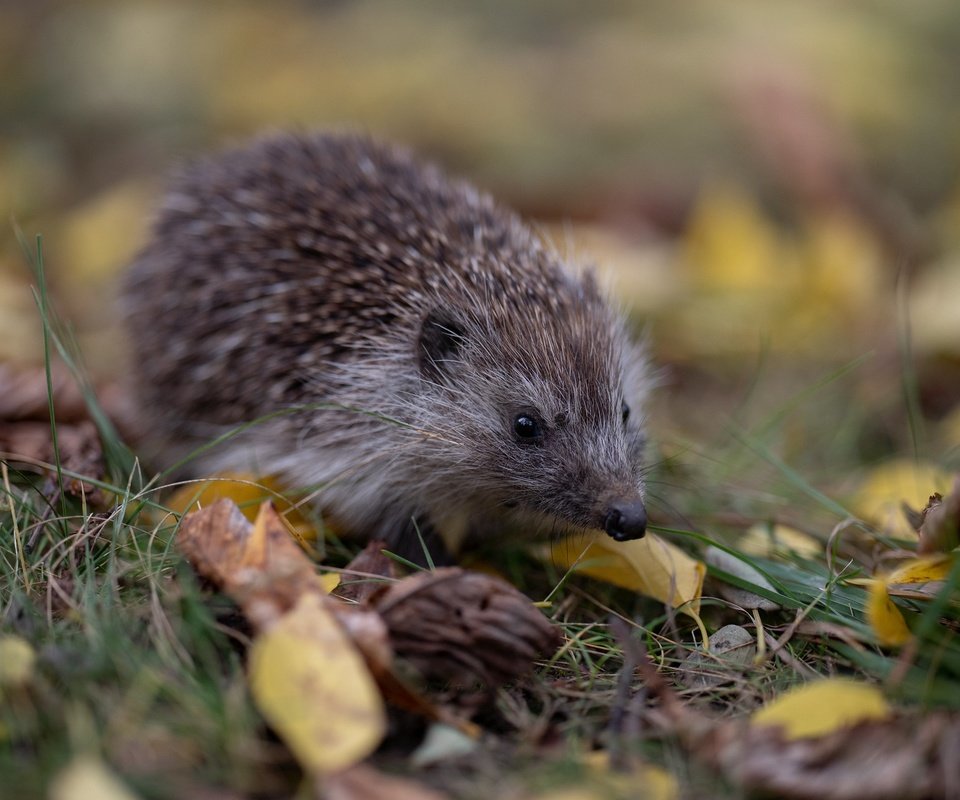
{"x": 556, "y": 435}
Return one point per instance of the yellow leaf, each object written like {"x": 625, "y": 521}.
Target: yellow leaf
{"x": 329, "y": 581}
{"x": 842, "y": 264}
{"x": 650, "y": 566}
{"x": 16, "y": 661}
{"x": 885, "y": 618}
{"x": 822, "y": 707}
{"x": 949, "y": 428}
{"x": 889, "y": 485}
{"x": 731, "y": 245}
{"x": 921, "y": 570}
{"x": 767, "y": 541}
{"x": 934, "y": 322}
{"x": 315, "y": 690}
{"x": 643, "y": 781}
{"x": 101, "y": 235}
{"x": 87, "y": 778}
{"x": 249, "y": 492}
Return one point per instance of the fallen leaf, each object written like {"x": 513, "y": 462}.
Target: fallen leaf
{"x": 884, "y": 617}
{"x": 249, "y": 492}
{"x": 921, "y": 571}
{"x": 267, "y": 573}
{"x": 888, "y": 486}
{"x": 88, "y": 778}
{"x": 312, "y": 685}
{"x": 103, "y": 233}
{"x": 731, "y": 244}
{"x": 259, "y": 565}
{"x": 883, "y": 757}
{"x": 17, "y": 659}
{"x": 329, "y": 582}
{"x": 918, "y": 578}
{"x": 640, "y": 780}
{"x": 939, "y": 528}
{"x": 651, "y": 566}
{"x": 768, "y": 541}
{"x": 934, "y": 322}
{"x": 822, "y": 707}
{"x": 366, "y": 574}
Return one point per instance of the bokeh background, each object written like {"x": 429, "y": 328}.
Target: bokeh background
{"x": 772, "y": 186}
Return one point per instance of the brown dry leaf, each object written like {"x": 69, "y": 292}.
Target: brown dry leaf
{"x": 897, "y": 759}
{"x": 260, "y": 566}
{"x": 364, "y": 576}
{"x": 465, "y": 628}
{"x": 940, "y": 522}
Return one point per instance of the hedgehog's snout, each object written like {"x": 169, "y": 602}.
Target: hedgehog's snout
{"x": 626, "y": 520}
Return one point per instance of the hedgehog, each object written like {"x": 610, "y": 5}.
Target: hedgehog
{"x": 335, "y": 312}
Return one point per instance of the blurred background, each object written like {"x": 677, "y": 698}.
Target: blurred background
{"x": 771, "y": 186}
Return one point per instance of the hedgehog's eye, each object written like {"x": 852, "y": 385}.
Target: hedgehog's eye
{"x": 527, "y": 429}
{"x": 624, "y": 411}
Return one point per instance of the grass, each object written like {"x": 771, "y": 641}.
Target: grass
{"x": 140, "y": 664}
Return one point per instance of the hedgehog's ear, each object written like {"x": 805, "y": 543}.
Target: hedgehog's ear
{"x": 441, "y": 338}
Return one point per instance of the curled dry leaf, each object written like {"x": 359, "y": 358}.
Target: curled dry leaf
{"x": 364, "y": 575}
{"x": 260, "y": 566}
{"x": 939, "y": 529}
{"x": 465, "y": 628}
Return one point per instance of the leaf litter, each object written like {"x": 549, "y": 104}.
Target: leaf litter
{"x": 321, "y": 667}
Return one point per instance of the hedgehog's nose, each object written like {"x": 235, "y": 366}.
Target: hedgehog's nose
{"x": 626, "y": 520}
